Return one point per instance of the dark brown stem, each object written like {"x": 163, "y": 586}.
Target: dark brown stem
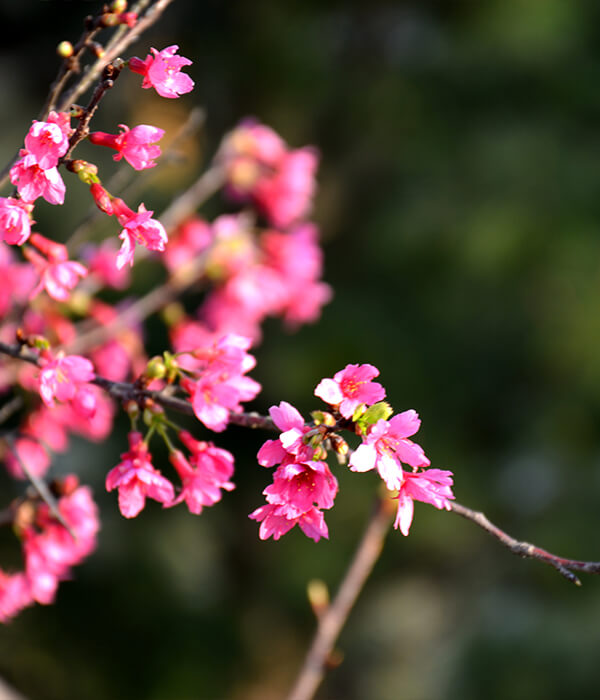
{"x": 332, "y": 620}
{"x": 565, "y": 567}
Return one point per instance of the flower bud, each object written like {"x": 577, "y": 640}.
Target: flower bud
{"x": 156, "y": 368}
{"x": 101, "y": 198}
{"x": 118, "y": 6}
{"x": 65, "y": 49}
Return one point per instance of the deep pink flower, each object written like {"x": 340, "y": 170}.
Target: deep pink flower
{"x": 429, "y": 486}
{"x": 47, "y": 143}
{"x": 208, "y": 470}
{"x": 137, "y": 479}
{"x": 221, "y": 386}
{"x": 290, "y": 443}
{"x": 51, "y": 550}
{"x": 297, "y": 487}
{"x": 351, "y": 387}
{"x": 275, "y": 523}
{"x": 29, "y": 452}
{"x": 286, "y": 196}
{"x": 61, "y": 378}
{"x": 135, "y": 145}
{"x": 161, "y": 70}
{"x": 32, "y": 181}
{"x": 387, "y": 446}
{"x": 139, "y": 228}
{"x": 57, "y": 277}
{"x": 15, "y": 594}
{"x": 15, "y": 226}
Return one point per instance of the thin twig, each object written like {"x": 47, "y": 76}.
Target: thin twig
{"x": 186, "y": 204}
{"x": 41, "y": 487}
{"x": 114, "y": 48}
{"x": 332, "y": 620}
{"x": 10, "y": 408}
{"x": 565, "y": 567}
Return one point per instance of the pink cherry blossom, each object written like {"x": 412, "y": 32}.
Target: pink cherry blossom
{"x": 57, "y": 278}
{"x": 15, "y": 226}
{"x": 139, "y": 228}
{"x": 386, "y": 447}
{"x": 207, "y": 471}
{"x": 135, "y": 145}
{"x": 286, "y": 196}
{"x": 27, "y": 452}
{"x": 290, "y": 443}
{"x": 32, "y": 181}
{"x": 61, "y": 378}
{"x": 351, "y": 387}
{"x": 432, "y": 486}
{"x": 221, "y": 387}
{"x": 47, "y": 143}
{"x": 300, "y": 486}
{"x": 275, "y": 523}
{"x": 136, "y": 479}
{"x": 51, "y": 550}
{"x": 15, "y": 594}
{"x": 161, "y": 70}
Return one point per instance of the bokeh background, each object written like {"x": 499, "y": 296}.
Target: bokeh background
{"x": 460, "y": 212}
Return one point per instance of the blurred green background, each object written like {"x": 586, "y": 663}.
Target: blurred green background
{"x": 460, "y": 215}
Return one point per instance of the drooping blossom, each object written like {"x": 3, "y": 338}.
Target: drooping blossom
{"x": 203, "y": 475}
{"x": 51, "y": 550}
{"x": 301, "y": 485}
{"x": 47, "y": 143}
{"x": 222, "y": 385}
{"x": 29, "y": 453}
{"x": 351, "y": 387}
{"x": 162, "y": 71}
{"x": 15, "y": 225}
{"x": 135, "y": 145}
{"x": 32, "y": 181}
{"x": 18, "y": 279}
{"x": 63, "y": 376}
{"x": 275, "y": 523}
{"x": 386, "y": 447}
{"x": 15, "y": 594}
{"x": 290, "y": 443}
{"x": 58, "y": 278}
{"x": 139, "y": 228}
{"x": 136, "y": 479}
{"x": 432, "y": 486}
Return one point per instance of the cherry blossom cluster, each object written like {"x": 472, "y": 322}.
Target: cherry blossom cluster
{"x": 302, "y": 486}
{"x": 51, "y": 546}
{"x": 260, "y": 168}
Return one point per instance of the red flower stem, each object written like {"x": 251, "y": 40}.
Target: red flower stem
{"x": 332, "y": 620}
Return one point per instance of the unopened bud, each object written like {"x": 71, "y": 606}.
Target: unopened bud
{"x": 132, "y": 409}
{"x": 96, "y": 48}
{"x": 173, "y": 313}
{"x": 339, "y": 445}
{"x": 128, "y": 18}
{"x": 109, "y": 19}
{"x": 65, "y": 49}
{"x": 318, "y": 596}
{"x": 156, "y": 368}
{"x": 101, "y": 198}
{"x": 118, "y": 6}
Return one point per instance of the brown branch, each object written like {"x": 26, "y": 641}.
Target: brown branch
{"x": 332, "y": 620}
{"x": 565, "y": 567}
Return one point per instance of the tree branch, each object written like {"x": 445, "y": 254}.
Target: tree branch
{"x": 332, "y": 620}
{"x": 565, "y": 567}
